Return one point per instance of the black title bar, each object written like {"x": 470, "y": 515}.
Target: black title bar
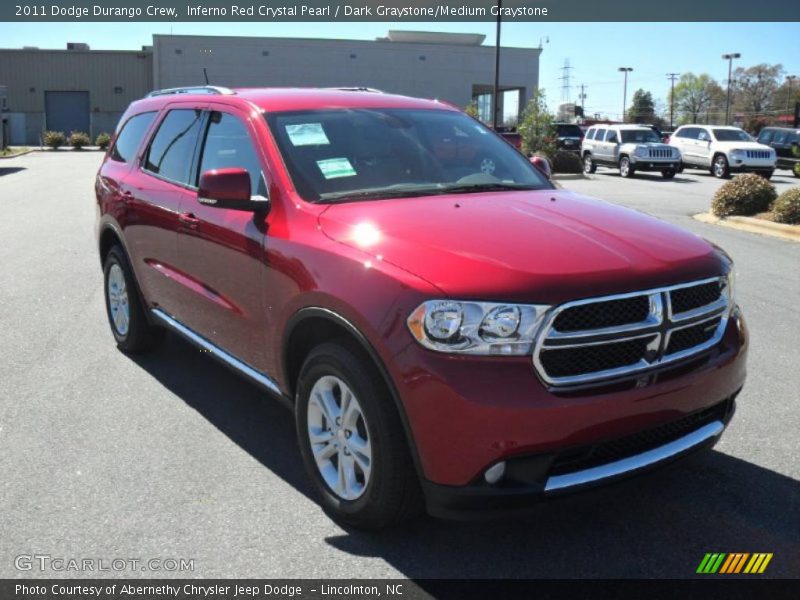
{"x": 276, "y": 11}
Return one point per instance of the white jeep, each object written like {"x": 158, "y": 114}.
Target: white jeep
{"x": 722, "y": 150}
{"x": 630, "y": 148}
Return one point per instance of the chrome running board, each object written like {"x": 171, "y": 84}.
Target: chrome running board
{"x": 634, "y": 463}
{"x": 218, "y": 353}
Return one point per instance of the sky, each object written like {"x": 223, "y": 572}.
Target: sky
{"x": 595, "y": 50}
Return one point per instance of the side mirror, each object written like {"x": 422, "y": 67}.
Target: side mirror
{"x": 228, "y": 188}
{"x": 541, "y": 163}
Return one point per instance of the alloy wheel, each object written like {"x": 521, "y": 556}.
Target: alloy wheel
{"x": 118, "y": 300}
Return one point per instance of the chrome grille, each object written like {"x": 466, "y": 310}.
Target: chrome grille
{"x": 599, "y": 339}
{"x": 660, "y": 153}
{"x": 759, "y": 154}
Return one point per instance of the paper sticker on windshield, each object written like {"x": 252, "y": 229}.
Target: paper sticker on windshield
{"x": 307, "y": 134}
{"x": 336, "y": 167}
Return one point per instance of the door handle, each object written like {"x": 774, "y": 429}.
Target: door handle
{"x": 188, "y": 220}
{"x": 127, "y": 197}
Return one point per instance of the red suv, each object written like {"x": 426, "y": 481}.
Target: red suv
{"x": 450, "y": 330}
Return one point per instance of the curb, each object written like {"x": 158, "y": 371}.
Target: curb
{"x": 569, "y": 176}
{"x": 17, "y": 155}
{"x": 787, "y": 232}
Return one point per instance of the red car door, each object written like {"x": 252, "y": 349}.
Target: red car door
{"x": 221, "y": 250}
{"x": 152, "y": 194}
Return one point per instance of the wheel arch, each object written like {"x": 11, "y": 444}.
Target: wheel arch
{"x": 311, "y": 326}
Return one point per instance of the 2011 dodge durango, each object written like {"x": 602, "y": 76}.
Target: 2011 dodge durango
{"x": 450, "y": 329}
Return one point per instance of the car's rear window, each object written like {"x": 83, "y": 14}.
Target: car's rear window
{"x": 130, "y": 136}
{"x": 341, "y": 154}
{"x": 568, "y": 130}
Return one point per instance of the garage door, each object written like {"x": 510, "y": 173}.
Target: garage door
{"x": 67, "y": 111}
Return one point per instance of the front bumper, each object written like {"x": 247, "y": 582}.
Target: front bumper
{"x": 467, "y": 414}
{"x": 646, "y": 164}
{"x": 750, "y": 165}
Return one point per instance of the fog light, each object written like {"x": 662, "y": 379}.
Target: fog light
{"x": 495, "y": 473}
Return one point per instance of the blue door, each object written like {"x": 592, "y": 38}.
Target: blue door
{"x": 67, "y": 111}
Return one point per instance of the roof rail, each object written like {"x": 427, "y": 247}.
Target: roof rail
{"x": 197, "y": 89}
{"x": 356, "y": 88}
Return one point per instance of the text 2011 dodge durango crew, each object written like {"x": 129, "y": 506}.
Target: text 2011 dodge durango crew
{"x": 450, "y": 330}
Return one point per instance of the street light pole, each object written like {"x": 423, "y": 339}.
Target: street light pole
{"x": 729, "y": 58}
{"x": 672, "y": 78}
{"x": 625, "y": 70}
{"x": 496, "y": 91}
{"x": 790, "y": 79}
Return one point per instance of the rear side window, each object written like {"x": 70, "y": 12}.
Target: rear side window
{"x": 171, "y": 152}
{"x": 793, "y": 138}
{"x": 130, "y": 137}
{"x": 780, "y": 137}
{"x": 599, "y": 135}
{"x": 611, "y": 136}
{"x": 228, "y": 145}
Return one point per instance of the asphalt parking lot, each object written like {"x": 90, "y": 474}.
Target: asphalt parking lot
{"x": 173, "y": 456}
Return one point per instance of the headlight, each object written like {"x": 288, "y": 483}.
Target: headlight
{"x": 737, "y": 153}
{"x": 481, "y": 328}
{"x": 640, "y": 151}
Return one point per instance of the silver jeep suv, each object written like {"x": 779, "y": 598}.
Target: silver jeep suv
{"x": 630, "y": 148}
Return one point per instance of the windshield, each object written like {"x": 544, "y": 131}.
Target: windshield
{"x": 360, "y": 154}
{"x": 569, "y": 131}
{"x": 639, "y": 136}
{"x": 731, "y": 135}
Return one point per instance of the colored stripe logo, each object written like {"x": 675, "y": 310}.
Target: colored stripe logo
{"x": 733, "y": 563}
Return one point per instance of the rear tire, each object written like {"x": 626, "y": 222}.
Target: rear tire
{"x": 668, "y": 173}
{"x": 720, "y": 168}
{"x": 589, "y": 166}
{"x": 126, "y": 316}
{"x": 767, "y": 174}
{"x": 626, "y": 168}
{"x": 359, "y": 460}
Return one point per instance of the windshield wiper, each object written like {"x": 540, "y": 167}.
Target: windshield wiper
{"x": 393, "y": 191}
{"x": 469, "y": 188}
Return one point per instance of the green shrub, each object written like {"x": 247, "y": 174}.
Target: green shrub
{"x": 567, "y": 162}
{"x": 786, "y": 208}
{"x": 54, "y": 139}
{"x": 79, "y": 139}
{"x": 746, "y": 194}
{"x": 536, "y": 128}
{"x": 102, "y": 141}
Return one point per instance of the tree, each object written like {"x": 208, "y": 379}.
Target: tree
{"x": 756, "y": 86}
{"x": 693, "y": 96}
{"x": 786, "y": 96}
{"x": 643, "y": 109}
{"x": 536, "y": 128}
{"x": 472, "y": 110}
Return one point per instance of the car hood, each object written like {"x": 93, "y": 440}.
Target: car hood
{"x": 529, "y": 246}
{"x": 743, "y": 145}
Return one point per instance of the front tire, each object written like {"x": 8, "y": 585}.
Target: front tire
{"x": 352, "y": 440}
{"x": 126, "y": 315}
{"x": 589, "y": 166}
{"x": 767, "y": 174}
{"x": 720, "y": 168}
{"x": 668, "y": 173}
{"x": 626, "y": 169}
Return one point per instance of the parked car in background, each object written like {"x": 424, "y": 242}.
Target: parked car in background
{"x": 722, "y": 150}
{"x": 629, "y": 148}
{"x": 449, "y": 329}
{"x": 568, "y": 137}
{"x": 785, "y": 143}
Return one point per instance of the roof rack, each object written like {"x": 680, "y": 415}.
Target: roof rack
{"x": 197, "y": 89}
{"x": 357, "y": 89}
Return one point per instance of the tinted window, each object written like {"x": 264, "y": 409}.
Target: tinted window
{"x": 639, "y": 136}
{"x": 780, "y": 137}
{"x": 765, "y": 136}
{"x": 569, "y": 131}
{"x": 599, "y": 135}
{"x": 690, "y": 133}
{"x": 362, "y": 153}
{"x": 172, "y": 149}
{"x": 793, "y": 138}
{"x": 611, "y": 136}
{"x": 731, "y": 135}
{"x": 129, "y": 138}
{"x": 228, "y": 145}
{"x": 590, "y": 134}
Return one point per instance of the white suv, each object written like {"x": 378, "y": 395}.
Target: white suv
{"x": 722, "y": 150}
{"x": 630, "y": 148}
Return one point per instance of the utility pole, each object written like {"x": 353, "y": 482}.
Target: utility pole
{"x": 582, "y": 97}
{"x": 496, "y": 91}
{"x": 790, "y": 80}
{"x": 729, "y": 58}
{"x": 672, "y": 78}
{"x": 625, "y": 70}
